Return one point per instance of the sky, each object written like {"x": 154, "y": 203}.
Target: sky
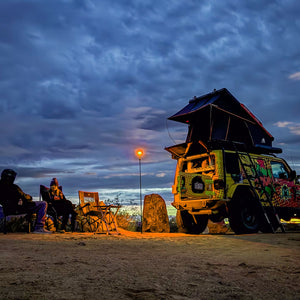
{"x": 85, "y": 83}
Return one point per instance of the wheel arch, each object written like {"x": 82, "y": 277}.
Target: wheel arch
{"x": 241, "y": 190}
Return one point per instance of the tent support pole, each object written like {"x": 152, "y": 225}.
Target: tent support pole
{"x": 228, "y": 125}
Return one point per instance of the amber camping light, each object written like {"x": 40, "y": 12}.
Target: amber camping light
{"x": 139, "y": 153}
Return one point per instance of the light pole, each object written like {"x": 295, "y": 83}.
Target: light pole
{"x": 139, "y": 153}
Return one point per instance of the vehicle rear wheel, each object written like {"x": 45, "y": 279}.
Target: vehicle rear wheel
{"x": 188, "y": 224}
{"x": 244, "y": 214}
{"x": 179, "y": 222}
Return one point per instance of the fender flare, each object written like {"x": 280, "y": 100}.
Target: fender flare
{"x": 238, "y": 189}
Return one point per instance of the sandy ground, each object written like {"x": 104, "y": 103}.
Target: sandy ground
{"x": 150, "y": 266}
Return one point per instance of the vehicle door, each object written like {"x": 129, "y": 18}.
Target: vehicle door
{"x": 287, "y": 190}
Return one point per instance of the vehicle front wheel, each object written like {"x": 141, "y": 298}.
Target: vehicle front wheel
{"x": 188, "y": 224}
{"x": 244, "y": 214}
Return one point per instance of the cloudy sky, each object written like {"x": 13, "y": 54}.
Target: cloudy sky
{"x": 84, "y": 83}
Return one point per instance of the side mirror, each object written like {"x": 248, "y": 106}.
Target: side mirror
{"x": 293, "y": 175}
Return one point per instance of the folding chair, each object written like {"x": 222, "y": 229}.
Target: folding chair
{"x": 98, "y": 216}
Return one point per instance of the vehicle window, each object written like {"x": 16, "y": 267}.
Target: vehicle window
{"x": 184, "y": 167}
{"x": 203, "y": 164}
{"x": 279, "y": 170}
{"x": 232, "y": 163}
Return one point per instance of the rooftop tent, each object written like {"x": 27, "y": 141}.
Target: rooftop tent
{"x": 219, "y": 116}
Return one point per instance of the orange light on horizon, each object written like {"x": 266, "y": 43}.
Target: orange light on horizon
{"x": 139, "y": 153}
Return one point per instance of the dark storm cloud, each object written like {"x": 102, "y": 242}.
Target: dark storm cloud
{"x": 83, "y": 83}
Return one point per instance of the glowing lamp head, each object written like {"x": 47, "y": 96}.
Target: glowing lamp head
{"x": 139, "y": 153}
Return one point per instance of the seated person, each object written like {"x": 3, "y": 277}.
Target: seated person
{"x": 15, "y": 201}
{"x": 62, "y": 206}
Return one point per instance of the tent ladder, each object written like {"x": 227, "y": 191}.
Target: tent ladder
{"x": 259, "y": 189}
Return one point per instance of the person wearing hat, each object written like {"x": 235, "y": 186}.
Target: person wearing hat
{"x": 14, "y": 201}
{"x": 62, "y": 206}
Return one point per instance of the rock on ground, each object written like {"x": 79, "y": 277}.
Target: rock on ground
{"x": 155, "y": 215}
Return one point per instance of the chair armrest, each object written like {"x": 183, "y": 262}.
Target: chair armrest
{"x": 116, "y": 206}
{"x": 81, "y": 207}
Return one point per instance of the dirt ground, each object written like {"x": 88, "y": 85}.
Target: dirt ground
{"x": 150, "y": 266}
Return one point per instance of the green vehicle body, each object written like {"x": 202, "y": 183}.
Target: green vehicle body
{"x": 214, "y": 186}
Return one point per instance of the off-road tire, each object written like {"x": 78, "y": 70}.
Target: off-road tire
{"x": 186, "y": 222}
{"x": 244, "y": 214}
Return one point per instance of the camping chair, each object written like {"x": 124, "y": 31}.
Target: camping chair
{"x": 98, "y": 216}
{"x": 44, "y": 195}
{"x": 8, "y": 215}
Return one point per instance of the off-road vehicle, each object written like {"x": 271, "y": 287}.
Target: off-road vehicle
{"x": 227, "y": 169}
